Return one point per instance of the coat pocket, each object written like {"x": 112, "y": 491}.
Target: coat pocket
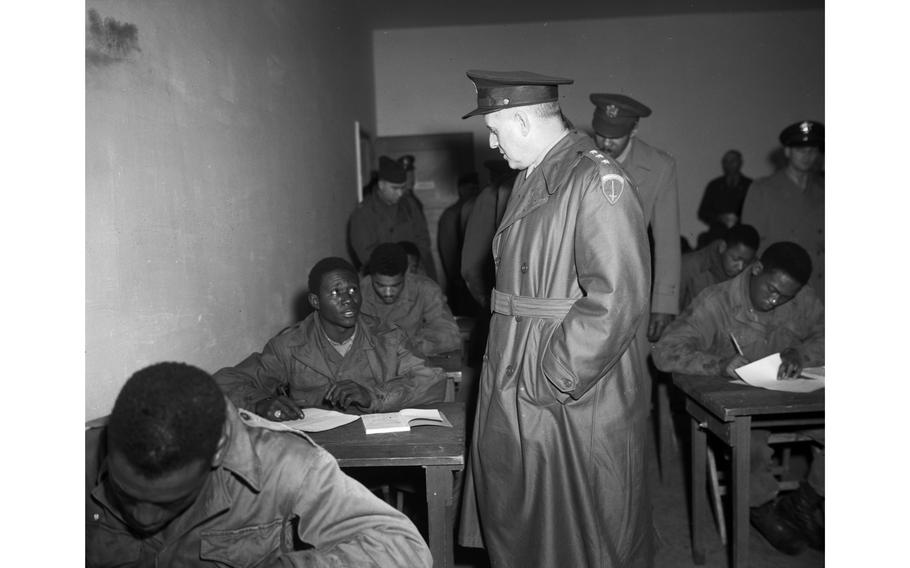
{"x": 106, "y": 547}
{"x": 245, "y": 547}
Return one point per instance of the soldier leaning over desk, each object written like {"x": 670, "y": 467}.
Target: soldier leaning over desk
{"x": 178, "y": 478}
{"x": 768, "y": 308}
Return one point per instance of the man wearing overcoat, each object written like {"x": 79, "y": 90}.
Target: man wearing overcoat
{"x": 558, "y": 469}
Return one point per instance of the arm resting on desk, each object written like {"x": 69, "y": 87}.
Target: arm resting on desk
{"x": 414, "y": 384}
{"x": 439, "y": 331}
{"x": 259, "y": 376}
{"x": 687, "y": 344}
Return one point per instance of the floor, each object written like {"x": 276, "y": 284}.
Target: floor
{"x": 671, "y": 520}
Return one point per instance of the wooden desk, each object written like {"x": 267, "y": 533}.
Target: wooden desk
{"x": 440, "y": 451}
{"x": 729, "y": 411}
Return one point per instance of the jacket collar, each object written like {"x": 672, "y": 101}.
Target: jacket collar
{"x": 308, "y": 345}
{"x": 546, "y": 179}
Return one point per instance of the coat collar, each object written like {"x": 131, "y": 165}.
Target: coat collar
{"x": 546, "y": 179}
{"x": 307, "y": 347}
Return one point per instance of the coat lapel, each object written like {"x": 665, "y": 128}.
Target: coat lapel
{"x": 529, "y": 194}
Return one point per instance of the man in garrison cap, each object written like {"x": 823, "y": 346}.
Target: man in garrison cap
{"x": 558, "y": 463}
{"x": 790, "y": 204}
{"x": 384, "y": 217}
{"x": 653, "y": 172}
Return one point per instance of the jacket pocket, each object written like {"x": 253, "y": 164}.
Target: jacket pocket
{"x": 244, "y": 547}
{"x": 106, "y": 547}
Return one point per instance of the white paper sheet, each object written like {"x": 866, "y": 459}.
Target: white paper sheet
{"x": 763, "y": 374}
{"x": 314, "y": 420}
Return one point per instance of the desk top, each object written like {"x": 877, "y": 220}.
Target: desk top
{"x": 728, "y": 400}
{"x": 450, "y": 361}
{"x": 423, "y": 445}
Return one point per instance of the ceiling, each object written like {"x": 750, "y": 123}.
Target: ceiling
{"x": 390, "y": 14}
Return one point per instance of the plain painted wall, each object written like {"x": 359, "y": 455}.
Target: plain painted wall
{"x": 219, "y": 167}
{"x": 713, "y": 81}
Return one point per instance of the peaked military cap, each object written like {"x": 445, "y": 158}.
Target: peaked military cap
{"x": 805, "y": 133}
{"x": 391, "y": 170}
{"x": 615, "y": 115}
{"x": 497, "y": 90}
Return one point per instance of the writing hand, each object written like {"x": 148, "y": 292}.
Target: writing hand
{"x": 344, "y": 394}
{"x": 791, "y": 365}
{"x": 278, "y": 409}
{"x": 736, "y": 362}
{"x": 656, "y": 325}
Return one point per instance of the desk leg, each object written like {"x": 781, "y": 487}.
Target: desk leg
{"x": 439, "y": 497}
{"x": 741, "y": 439}
{"x": 697, "y": 488}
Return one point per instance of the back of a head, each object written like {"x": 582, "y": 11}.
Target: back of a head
{"x": 410, "y": 248}
{"x": 745, "y": 235}
{"x": 789, "y": 258}
{"x": 388, "y": 259}
{"x": 167, "y": 416}
{"x": 323, "y": 267}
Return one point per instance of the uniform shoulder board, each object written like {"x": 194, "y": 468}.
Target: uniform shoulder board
{"x": 612, "y": 182}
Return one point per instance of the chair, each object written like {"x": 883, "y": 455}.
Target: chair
{"x": 781, "y": 471}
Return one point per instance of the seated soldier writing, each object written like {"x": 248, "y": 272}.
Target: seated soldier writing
{"x": 768, "y": 309}
{"x": 409, "y": 301}
{"x": 333, "y": 358}
{"x": 718, "y": 261}
{"x": 177, "y": 478}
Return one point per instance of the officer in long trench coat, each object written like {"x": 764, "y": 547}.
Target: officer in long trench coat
{"x": 557, "y": 472}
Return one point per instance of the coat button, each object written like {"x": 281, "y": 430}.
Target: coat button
{"x": 486, "y": 357}
{"x": 524, "y": 266}
{"x": 509, "y": 370}
{"x": 496, "y": 261}
{"x": 517, "y": 319}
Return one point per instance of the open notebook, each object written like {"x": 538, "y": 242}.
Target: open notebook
{"x": 403, "y": 420}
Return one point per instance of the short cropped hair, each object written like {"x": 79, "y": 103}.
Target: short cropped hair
{"x": 167, "y": 416}
{"x": 410, "y": 248}
{"x": 547, "y": 110}
{"x": 745, "y": 235}
{"x": 388, "y": 259}
{"x": 789, "y": 258}
{"x": 323, "y": 267}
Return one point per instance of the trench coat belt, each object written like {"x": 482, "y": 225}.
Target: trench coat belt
{"x": 512, "y": 305}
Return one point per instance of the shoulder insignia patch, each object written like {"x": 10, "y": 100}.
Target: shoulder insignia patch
{"x": 616, "y": 184}
{"x": 611, "y": 184}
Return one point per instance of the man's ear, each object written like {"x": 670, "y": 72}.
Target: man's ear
{"x": 313, "y": 300}
{"x": 722, "y": 247}
{"x": 524, "y": 122}
{"x": 222, "y": 446}
{"x": 757, "y": 268}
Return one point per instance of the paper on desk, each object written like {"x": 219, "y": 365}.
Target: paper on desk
{"x": 763, "y": 374}
{"x": 314, "y": 420}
